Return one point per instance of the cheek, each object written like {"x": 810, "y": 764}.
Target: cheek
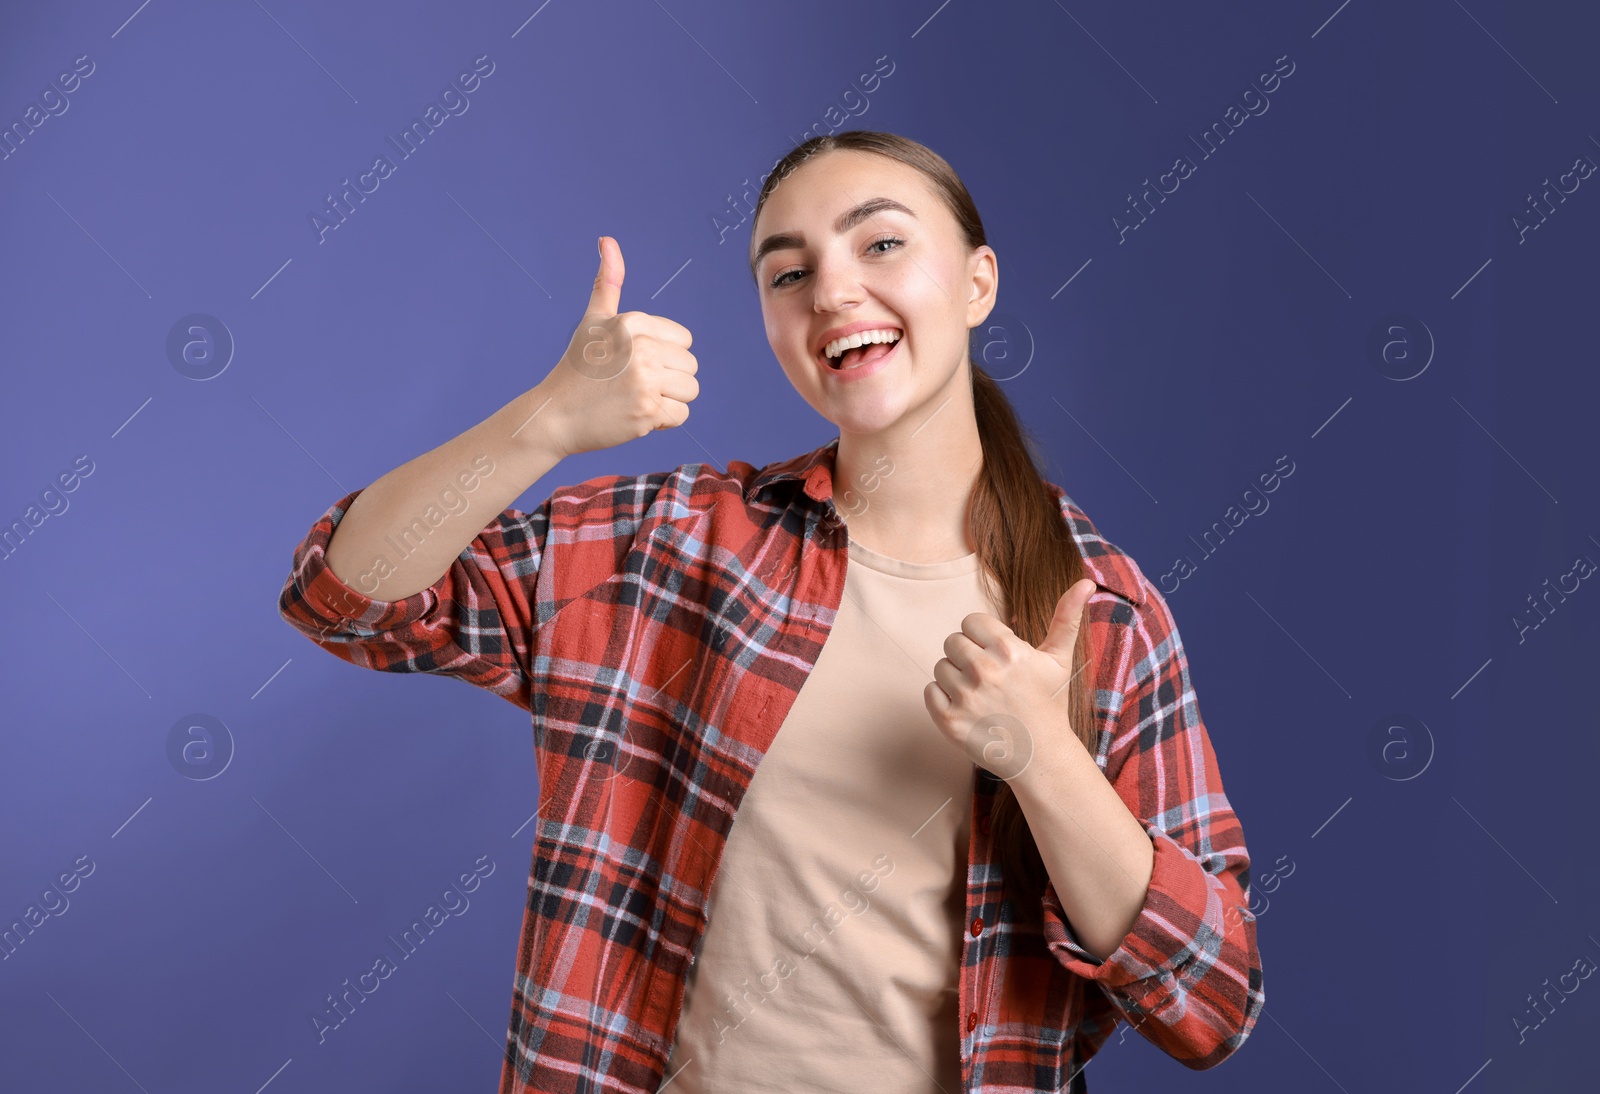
{"x": 927, "y": 308}
{"x": 786, "y": 335}
{"x": 782, "y": 333}
{"x": 803, "y": 380}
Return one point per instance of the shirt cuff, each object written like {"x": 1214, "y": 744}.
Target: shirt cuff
{"x": 346, "y": 609}
{"x": 1145, "y": 968}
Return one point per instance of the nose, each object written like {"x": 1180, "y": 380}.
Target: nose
{"x": 835, "y": 285}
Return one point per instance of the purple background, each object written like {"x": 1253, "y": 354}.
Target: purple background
{"x": 1231, "y": 329}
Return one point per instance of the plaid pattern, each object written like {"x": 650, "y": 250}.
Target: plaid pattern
{"x": 658, "y": 628}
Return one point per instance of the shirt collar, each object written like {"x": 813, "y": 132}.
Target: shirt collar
{"x": 1107, "y": 565}
{"x": 813, "y": 469}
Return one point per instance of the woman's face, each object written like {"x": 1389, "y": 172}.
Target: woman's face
{"x": 906, "y": 269}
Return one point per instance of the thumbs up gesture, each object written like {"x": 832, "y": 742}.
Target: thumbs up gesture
{"x": 622, "y": 375}
{"x": 997, "y": 698}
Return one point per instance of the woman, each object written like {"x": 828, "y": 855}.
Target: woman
{"x": 988, "y": 831}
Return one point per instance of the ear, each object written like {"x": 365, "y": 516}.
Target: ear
{"x": 984, "y": 279}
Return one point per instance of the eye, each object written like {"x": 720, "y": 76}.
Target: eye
{"x": 778, "y": 282}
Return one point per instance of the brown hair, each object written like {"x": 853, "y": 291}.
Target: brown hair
{"x": 1015, "y": 520}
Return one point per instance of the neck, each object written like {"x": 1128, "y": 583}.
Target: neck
{"x": 903, "y": 491}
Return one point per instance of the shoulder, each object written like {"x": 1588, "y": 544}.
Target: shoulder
{"x": 1149, "y": 632}
{"x": 1111, "y": 568}
{"x": 618, "y": 508}
{"x": 585, "y": 533}
{"x": 624, "y": 502}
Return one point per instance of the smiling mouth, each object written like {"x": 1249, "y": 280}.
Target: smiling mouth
{"x": 859, "y": 355}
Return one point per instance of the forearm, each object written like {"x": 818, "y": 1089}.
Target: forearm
{"x": 402, "y": 532}
{"x": 1097, "y": 853}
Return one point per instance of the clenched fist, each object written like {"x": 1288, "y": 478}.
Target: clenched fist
{"x": 622, "y": 375}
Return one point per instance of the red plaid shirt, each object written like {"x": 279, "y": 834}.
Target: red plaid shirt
{"x": 658, "y": 629}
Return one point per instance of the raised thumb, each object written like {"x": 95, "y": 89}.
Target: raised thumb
{"x": 1064, "y": 625}
{"x": 608, "y": 282}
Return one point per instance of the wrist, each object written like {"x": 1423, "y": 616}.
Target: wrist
{"x": 532, "y": 426}
{"x": 1059, "y": 762}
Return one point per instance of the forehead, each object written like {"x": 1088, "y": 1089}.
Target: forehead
{"x": 809, "y": 202}
{"x": 831, "y": 172}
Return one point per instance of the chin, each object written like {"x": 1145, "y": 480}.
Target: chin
{"x": 867, "y": 420}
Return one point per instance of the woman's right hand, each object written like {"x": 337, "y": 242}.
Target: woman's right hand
{"x": 622, "y": 375}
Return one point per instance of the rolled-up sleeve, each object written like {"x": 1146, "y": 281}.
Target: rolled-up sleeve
{"x": 475, "y": 623}
{"x": 1188, "y": 973}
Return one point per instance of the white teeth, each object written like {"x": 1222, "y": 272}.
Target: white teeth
{"x": 837, "y": 347}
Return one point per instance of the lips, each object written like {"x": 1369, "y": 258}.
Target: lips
{"x": 867, "y": 369}
{"x": 836, "y": 364}
{"x": 837, "y": 333}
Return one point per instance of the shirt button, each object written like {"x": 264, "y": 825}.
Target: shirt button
{"x": 977, "y": 927}
{"x": 972, "y": 1021}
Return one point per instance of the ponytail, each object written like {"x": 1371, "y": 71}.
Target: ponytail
{"x": 1022, "y": 538}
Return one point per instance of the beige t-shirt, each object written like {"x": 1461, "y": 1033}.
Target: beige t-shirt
{"x": 831, "y": 952}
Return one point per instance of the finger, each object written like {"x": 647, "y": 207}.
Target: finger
{"x": 607, "y": 292}
{"x": 673, "y": 412}
{"x": 660, "y": 328}
{"x": 984, "y": 629}
{"x": 1085, "y": 589}
{"x": 947, "y": 676}
{"x": 1079, "y": 596}
{"x": 679, "y": 386}
{"x": 668, "y": 355}
{"x": 1061, "y": 635}
{"x": 961, "y": 650}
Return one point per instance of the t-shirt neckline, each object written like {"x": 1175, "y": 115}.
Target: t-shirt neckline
{"x": 921, "y": 571}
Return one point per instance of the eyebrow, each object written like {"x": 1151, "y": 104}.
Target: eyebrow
{"x": 847, "y": 220}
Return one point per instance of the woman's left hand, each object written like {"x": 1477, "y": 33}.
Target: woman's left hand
{"x": 1000, "y": 700}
